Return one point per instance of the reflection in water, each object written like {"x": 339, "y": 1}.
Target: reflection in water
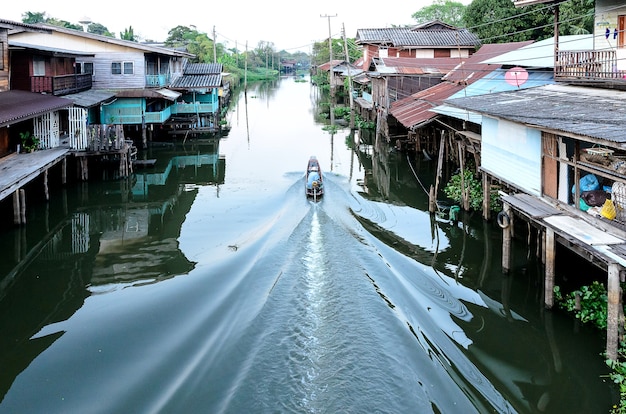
{"x": 197, "y": 288}
{"x": 118, "y": 236}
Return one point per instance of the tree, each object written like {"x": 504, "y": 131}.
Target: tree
{"x": 97, "y": 28}
{"x": 34, "y": 17}
{"x": 576, "y": 17}
{"x": 129, "y": 34}
{"x": 499, "y": 21}
{"x": 447, "y": 11}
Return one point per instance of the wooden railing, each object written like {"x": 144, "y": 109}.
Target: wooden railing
{"x": 157, "y": 81}
{"x": 60, "y": 85}
{"x": 588, "y": 65}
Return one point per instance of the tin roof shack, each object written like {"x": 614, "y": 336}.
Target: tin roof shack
{"x": 545, "y": 145}
{"x": 203, "y": 95}
{"x": 433, "y": 39}
{"x": 412, "y": 116}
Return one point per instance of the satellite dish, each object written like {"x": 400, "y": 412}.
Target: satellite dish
{"x": 516, "y": 76}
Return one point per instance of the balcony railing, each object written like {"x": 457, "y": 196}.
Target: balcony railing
{"x": 61, "y": 85}
{"x": 588, "y": 66}
{"x": 157, "y": 81}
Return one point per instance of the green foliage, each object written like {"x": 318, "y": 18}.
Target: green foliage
{"x": 29, "y": 142}
{"x": 499, "y": 21}
{"x": 576, "y": 17}
{"x": 34, "y": 17}
{"x": 593, "y": 309}
{"x": 473, "y": 184}
{"x": 361, "y": 124}
{"x": 97, "y": 28}
{"x": 618, "y": 376}
{"x": 447, "y": 11}
{"x": 321, "y": 54}
{"x": 593, "y": 303}
{"x": 129, "y": 34}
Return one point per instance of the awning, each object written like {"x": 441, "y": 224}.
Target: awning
{"x": 148, "y": 93}
{"x": 90, "y": 98}
{"x": 17, "y": 106}
{"x": 168, "y": 94}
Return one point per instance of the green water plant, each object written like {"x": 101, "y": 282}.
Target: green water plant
{"x": 474, "y": 188}
{"x": 589, "y": 304}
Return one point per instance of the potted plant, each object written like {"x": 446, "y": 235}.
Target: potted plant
{"x": 29, "y": 142}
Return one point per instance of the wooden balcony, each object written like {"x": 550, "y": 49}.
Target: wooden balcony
{"x": 589, "y": 67}
{"x": 60, "y": 85}
{"x": 157, "y": 81}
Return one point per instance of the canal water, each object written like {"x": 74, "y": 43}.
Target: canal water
{"x": 209, "y": 284}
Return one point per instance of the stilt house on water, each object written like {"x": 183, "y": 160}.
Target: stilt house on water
{"x": 558, "y": 152}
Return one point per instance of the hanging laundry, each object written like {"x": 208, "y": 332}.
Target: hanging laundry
{"x": 607, "y": 33}
{"x": 615, "y": 34}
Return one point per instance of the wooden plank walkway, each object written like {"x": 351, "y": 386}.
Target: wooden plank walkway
{"x": 18, "y": 170}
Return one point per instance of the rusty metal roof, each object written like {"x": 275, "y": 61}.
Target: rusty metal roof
{"x": 599, "y": 114}
{"x": 415, "y": 66}
{"x": 408, "y": 38}
{"x": 415, "y": 109}
{"x": 17, "y": 106}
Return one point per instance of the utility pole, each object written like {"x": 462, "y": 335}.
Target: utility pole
{"x": 214, "y": 47}
{"x": 345, "y": 46}
{"x": 330, "y": 52}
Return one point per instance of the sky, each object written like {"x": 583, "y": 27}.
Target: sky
{"x": 290, "y": 26}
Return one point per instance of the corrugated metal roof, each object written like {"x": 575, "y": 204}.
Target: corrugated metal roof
{"x": 90, "y": 98}
{"x": 326, "y": 66}
{"x": 492, "y": 83}
{"x": 415, "y": 66}
{"x": 189, "y": 82}
{"x": 147, "y": 93}
{"x": 541, "y": 54}
{"x": 16, "y": 106}
{"x": 416, "y": 109}
{"x": 417, "y": 38}
{"x": 203, "y": 68}
{"x": 127, "y": 43}
{"x": 599, "y": 114}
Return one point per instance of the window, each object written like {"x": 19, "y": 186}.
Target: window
{"x": 84, "y": 68}
{"x": 39, "y": 66}
{"x": 1, "y": 55}
{"x": 118, "y": 68}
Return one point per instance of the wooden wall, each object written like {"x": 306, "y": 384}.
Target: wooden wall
{"x": 4, "y": 58}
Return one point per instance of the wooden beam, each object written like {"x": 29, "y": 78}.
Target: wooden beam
{"x": 549, "y": 266}
{"x": 613, "y": 311}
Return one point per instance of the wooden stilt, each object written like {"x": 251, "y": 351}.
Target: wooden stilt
{"x": 64, "y": 171}
{"x": 432, "y": 201}
{"x": 549, "y": 268}
{"x": 22, "y": 206}
{"x": 45, "y": 185}
{"x": 506, "y": 241}
{"x": 16, "y": 207}
{"x": 614, "y": 305}
{"x": 486, "y": 197}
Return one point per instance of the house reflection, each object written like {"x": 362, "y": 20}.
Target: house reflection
{"x": 121, "y": 234}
